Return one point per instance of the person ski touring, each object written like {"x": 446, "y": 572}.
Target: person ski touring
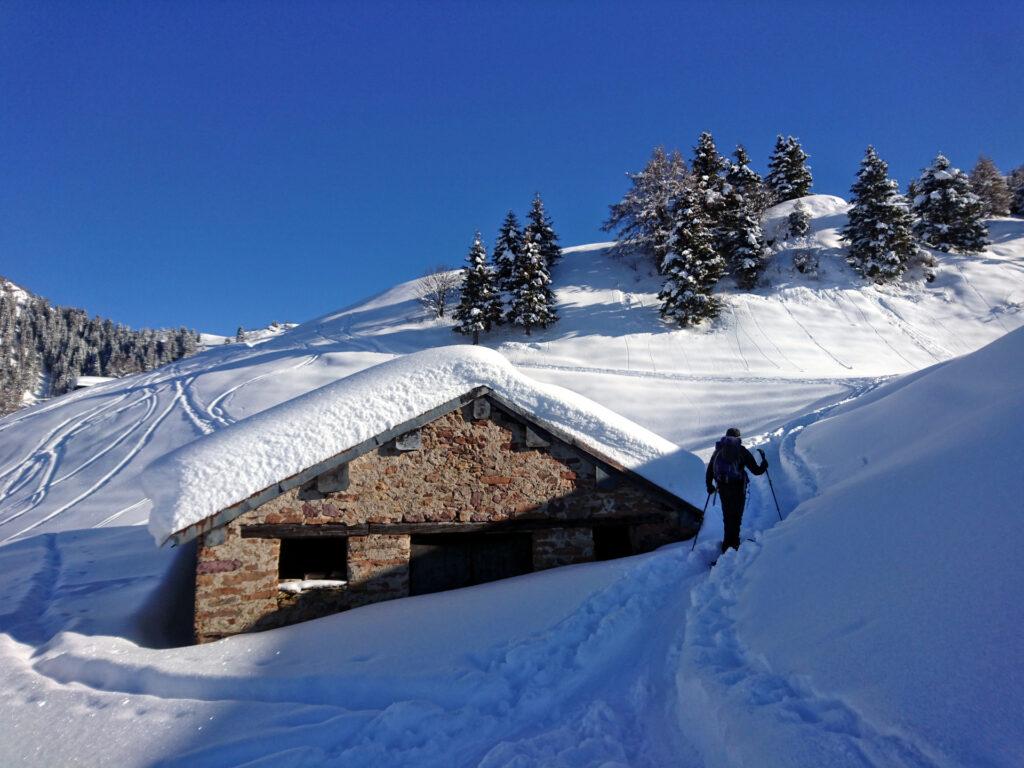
{"x": 727, "y": 473}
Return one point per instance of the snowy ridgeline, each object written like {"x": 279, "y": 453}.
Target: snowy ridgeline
{"x": 878, "y": 625}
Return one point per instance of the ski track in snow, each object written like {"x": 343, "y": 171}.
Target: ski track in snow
{"x": 810, "y": 336}
{"x": 216, "y": 411}
{"x": 717, "y": 667}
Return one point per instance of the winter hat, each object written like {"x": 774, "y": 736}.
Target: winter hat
{"x": 733, "y": 432}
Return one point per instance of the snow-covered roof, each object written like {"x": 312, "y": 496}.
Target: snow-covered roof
{"x": 200, "y": 479}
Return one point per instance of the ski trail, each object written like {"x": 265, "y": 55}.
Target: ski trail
{"x": 203, "y": 425}
{"x": 736, "y": 337}
{"x": 745, "y": 690}
{"x": 52, "y": 460}
{"x": 930, "y": 346}
{"x": 852, "y": 381}
{"x": 131, "y": 454}
{"x": 27, "y": 620}
{"x": 751, "y": 339}
{"x": 721, "y": 685}
{"x": 107, "y": 520}
{"x": 811, "y": 337}
{"x": 991, "y": 310}
{"x": 53, "y": 435}
{"x": 871, "y": 325}
{"x": 216, "y": 412}
{"x": 770, "y": 340}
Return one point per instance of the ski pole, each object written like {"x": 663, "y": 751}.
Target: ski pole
{"x": 697, "y": 535}
{"x": 770, "y": 485}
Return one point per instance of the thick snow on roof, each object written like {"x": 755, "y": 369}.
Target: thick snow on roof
{"x": 215, "y": 472}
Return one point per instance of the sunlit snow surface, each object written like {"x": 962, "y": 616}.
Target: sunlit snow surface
{"x": 801, "y": 651}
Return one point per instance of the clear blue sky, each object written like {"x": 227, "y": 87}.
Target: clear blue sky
{"x": 218, "y": 163}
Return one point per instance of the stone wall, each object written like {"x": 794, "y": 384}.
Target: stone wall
{"x": 466, "y": 470}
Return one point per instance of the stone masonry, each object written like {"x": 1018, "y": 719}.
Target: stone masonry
{"x": 466, "y": 470}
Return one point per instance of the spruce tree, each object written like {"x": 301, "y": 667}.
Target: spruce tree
{"x": 692, "y": 267}
{"x": 789, "y": 176}
{"x": 507, "y": 248}
{"x": 540, "y": 231}
{"x": 798, "y": 223}
{"x": 479, "y": 308}
{"x": 1016, "y": 183}
{"x": 947, "y": 214}
{"x": 240, "y": 334}
{"x": 707, "y": 175}
{"x": 747, "y": 181}
{"x": 991, "y": 188}
{"x": 879, "y": 228}
{"x": 533, "y": 303}
{"x": 642, "y": 219}
{"x": 739, "y": 235}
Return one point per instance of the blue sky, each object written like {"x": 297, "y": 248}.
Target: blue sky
{"x": 217, "y": 163}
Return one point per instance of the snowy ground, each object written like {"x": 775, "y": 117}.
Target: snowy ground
{"x": 876, "y": 627}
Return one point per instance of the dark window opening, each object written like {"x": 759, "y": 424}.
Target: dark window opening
{"x": 611, "y": 541}
{"x": 450, "y": 561}
{"x": 314, "y": 558}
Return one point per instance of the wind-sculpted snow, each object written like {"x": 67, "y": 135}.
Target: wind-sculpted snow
{"x": 213, "y": 473}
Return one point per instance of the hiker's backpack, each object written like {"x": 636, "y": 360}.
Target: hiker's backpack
{"x": 728, "y": 464}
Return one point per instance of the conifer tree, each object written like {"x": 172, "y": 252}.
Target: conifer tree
{"x": 480, "y": 305}
{"x": 879, "y": 227}
{"x": 739, "y": 235}
{"x": 798, "y": 223}
{"x": 692, "y": 267}
{"x": 240, "y": 334}
{"x": 947, "y": 214}
{"x": 533, "y": 303}
{"x": 643, "y": 217}
{"x": 991, "y": 188}
{"x": 1016, "y": 184}
{"x": 540, "y": 231}
{"x": 507, "y": 249}
{"x": 747, "y": 181}
{"x": 789, "y": 176}
{"x": 706, "y": 174}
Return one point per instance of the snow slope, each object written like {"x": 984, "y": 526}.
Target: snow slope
{"x": 795, "y": 345}
{"x": 644, "y": 661}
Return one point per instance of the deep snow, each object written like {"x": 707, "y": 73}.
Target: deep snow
{"x": 812, "y": 647}
{"x": 214, "y": 472}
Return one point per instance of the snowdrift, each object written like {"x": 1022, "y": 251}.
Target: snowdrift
{"x": 890, "y": 601}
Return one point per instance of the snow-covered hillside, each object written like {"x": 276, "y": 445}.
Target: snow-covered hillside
{"x": 800, "y": 651}
{"x": 795, "y": 345}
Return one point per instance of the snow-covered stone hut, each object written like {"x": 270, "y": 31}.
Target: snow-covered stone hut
{"x": 434, "y": 471}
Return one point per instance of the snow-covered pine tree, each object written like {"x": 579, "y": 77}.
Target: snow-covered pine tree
{"x": 947, "y": 214}
{"x": 507, "y": 248}
{"x": 479, "y": 308}
{"x": 748, "y": 181}
{"x": 642, "y": 219}
{"x": 707, "y": 175}
{"x": 739, "y": 237}
{"x": 798, "y": 223}
{"x": 542, "y": 233}
{"x": 240, "y": 334}
{"x": 533, "y": 303}
{"x": 1016, "y": 183}
{"x": 692, "y": 267}
{"x": 879, "y": 227}
{"x": 991, "y": 188}
{"x": 789, "y": 176}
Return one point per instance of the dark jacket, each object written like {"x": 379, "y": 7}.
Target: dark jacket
{"x": 747, "y": 462}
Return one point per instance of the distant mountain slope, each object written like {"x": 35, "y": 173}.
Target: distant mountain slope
{"x": 794, "y": 345}
{"x": 44, "y": 349}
